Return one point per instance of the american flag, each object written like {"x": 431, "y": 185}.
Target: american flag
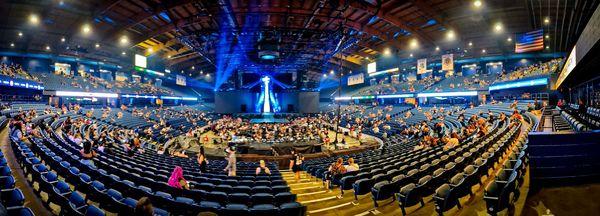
{"x": 530, "y": 41}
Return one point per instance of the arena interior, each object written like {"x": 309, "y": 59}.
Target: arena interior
{"x": 299, "y": 107}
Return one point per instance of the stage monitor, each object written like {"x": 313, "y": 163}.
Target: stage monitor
{"x": 141, "y": 61}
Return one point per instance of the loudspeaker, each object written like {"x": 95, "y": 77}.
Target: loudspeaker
{"x": 290, "y": 108}
{"x": 243, "y": 108}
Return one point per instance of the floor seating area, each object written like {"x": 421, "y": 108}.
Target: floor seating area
{"x": 116, "y": 181}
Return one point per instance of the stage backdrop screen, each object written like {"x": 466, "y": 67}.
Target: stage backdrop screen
{"x": 529, "y": 41}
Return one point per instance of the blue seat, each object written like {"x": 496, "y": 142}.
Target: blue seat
{"x": 210, "y": 206}
{"x": 239, "y": 198}
{"x": 280, "y": 189}
{"x": 292, "y": 209}
{"x": 77, "y": 205}
{"x": 263, "y": 210}
{"x": 242, "y": 189}
{"x": 59, "y": 193}
{"x": 160, "y": 212}
{"x": 361, "y": 187}
{"x": 12, "y": 197}
{"x": 445, "y": 199}
{"x": 262, "y": 198}
{"x": 285, "y": 197}
{"x": 21, "y": 211}
{"x": 236, "y": 210}
{"x": 409, "y": 196}
{"x": 261, "y": 189}
{"x": 5, "y": 171}
{"x": 97, "y": 189}
{"x": 7, "y": 182}
{"x": 217, "y": 196}
{"x": 185, "y": 206}
{"x": 92, "y": 210}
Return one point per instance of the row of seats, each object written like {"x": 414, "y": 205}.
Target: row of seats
{"x": 108, "y": 189}
{"x": 11, "y": 198}
{"x": 574, "y": 122}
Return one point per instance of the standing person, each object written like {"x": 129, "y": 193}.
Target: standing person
{"x": 202, "y": 160}
{"x": 296, "y": 164}
{"x": 176, "y": 180}
{"x": 231, "y": 161}
{"x": 87, "y": 153}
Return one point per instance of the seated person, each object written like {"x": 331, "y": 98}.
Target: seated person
{"x": 176, "y": 180}
{"x": 263, "y": 169}
{"x": 351, "y": 165}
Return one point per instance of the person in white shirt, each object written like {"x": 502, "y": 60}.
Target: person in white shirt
{"x": 351, "y": 165}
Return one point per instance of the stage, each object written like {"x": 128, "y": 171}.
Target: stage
{"x": 267, "y": 118}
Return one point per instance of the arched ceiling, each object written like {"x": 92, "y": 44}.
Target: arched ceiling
{"x": 308, "y": 34}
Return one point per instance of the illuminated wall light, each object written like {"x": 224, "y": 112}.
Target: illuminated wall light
{"x": 519, "y": 84}
{"x": 395, "y": 96}
{"x": 123, "y": 53}
{"x": 342, "y": 98}
{"x": 86, "y": 29}
{"x": 63, "y": 39}
{"x": 448, "y": 94}
{"x": 483, "y": 51}
{"x": 124, "y": 40}
{"x": 477, "y": 3}
{"x": 509, "y": 39}
{"x": 86, "y": 94}
{"x": 169, "y": 56}
{"x": 547, "y": 20}
{"x": 387, "y": 51}
{"x": 193, "y": 68}
{"x": 331, "y": 72}
{"x": 437, "y": 48}
{"x": 411, "y": 55}
{"x": 150, "y": 50}
{"x": 20, "y": 34}
{"x": 547, "y": 36}
{"x": 47, "y": 47}
{"x": 470, "y": 43}
{"x": 34, "y": 19}
{"x": 325, "y": 75}
{"x": 414, "y": 43}
{"x": 547, "y": 47}
{"x": 97, "y": 45}
{"x": 498, "y": 27}
{"x": 450, "y": 35}
{"x": 12, "y": 44}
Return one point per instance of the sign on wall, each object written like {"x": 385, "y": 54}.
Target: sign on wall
{"x": 372, "y": 67}
{"x": 421, "y": 66}
{"x": 180, "y": 80}
{"x": 356, "y": 79}
{"x": 448, "y": 62}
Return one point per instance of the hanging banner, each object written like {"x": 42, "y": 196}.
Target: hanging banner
{"x": 356, "y": 79}
{"x": 448, "y": 62}
{"x": 421, "y": 66}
